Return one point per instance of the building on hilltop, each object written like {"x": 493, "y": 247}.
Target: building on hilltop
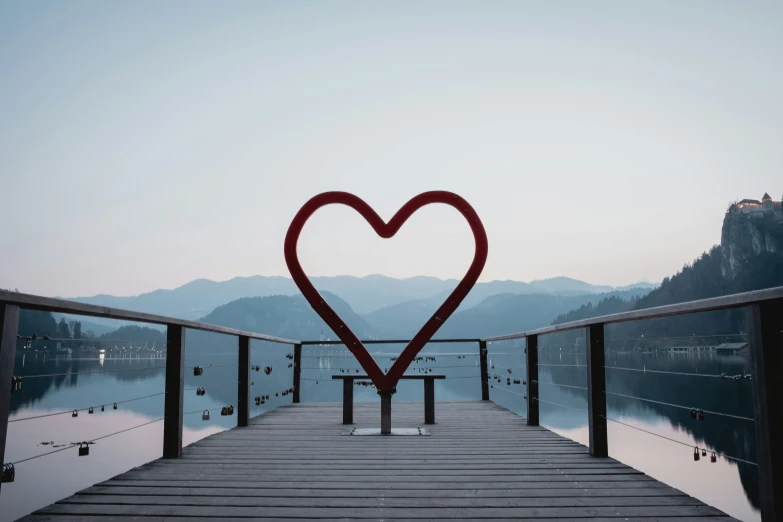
{"x": 756, "y": 208}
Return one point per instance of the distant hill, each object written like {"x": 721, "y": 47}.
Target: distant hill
{"x": 286, "y": 316}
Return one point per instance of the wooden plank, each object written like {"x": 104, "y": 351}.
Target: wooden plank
{"x": 260, "y": 518}
{"x": 230, "y": 500}
{"x": 175, "y": 382}
{"x": 9, "y": 326}
{"x": 532, "y": 492}
{"x": 379, "y": 512}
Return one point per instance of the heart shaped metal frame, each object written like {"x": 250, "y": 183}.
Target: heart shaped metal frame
{"x": 385, "y": 381}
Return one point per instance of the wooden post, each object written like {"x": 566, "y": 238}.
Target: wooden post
{"x": 429, "y": 401}
{"x": 347, "y": 401}
{"x": 765, "y": 327}
{"x": 297, "y": 370}
{"x": 484, "y": 371}
{"x": 175, "y": 381}
{"x": 386, "y": 397}
{"x": 532, "y": 380}
{"x": 243, "y": 388}
{"x": 596, "y": 391}
{"x": 9, "y": 326}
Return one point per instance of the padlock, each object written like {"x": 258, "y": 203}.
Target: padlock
{"x": 714, "y": 458}
{"x": 84, "y": 449}
{"x": 693, "y": 414}
{"x": 90, "y": 411}
{"x": 231, "y": 409}
{"x": 9, "y": 473}
{"x": 696, "y": 454}
{"x": 701, "y": 415}
{"x": 75, "y": 413}
{"x": 276, "y": 395}
{"x": 263, "y": 401}
{"x": 224, "y": 411}
{"x": 102, "y": 407}
{"x": 703, "y": 452}
{"x": 205, "y": 415}
{"x": 115, "y": 405}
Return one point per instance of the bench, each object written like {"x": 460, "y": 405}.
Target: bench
{"x": 429, "y": 395}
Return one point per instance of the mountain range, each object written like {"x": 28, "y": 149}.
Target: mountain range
{"x": 198, "y": 298}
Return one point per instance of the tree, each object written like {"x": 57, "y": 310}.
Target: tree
{"x": 62, "y": 329}
{"x": 77, "y": 331}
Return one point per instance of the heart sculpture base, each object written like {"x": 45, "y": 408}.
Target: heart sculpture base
{"x": 406, "y": 432}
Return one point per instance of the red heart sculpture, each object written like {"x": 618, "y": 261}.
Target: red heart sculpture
{"x": 388, "y": 381}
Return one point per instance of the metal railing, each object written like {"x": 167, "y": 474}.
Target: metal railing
{"x": 765, "y": 335}
{"x": 12, "y": 302}
{"x": 765, "y": 326}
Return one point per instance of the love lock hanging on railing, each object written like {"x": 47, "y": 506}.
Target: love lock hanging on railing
{"x": 205, "y": 415}
{"x": 9, "y": 473}
{"x": 84, "y": 449}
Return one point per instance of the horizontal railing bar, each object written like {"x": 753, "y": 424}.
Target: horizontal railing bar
{"x": 703, "y": 305}
{"x": 49, "y": 304}
{"x": 390, "y": 341}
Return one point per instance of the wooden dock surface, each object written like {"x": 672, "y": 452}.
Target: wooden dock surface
{"x": 482, "y": 462}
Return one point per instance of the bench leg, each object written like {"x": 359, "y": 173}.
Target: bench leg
{"x": 347, "y": 401}
{"x": 429, "y": 401}
{"x": 385, "y": 412}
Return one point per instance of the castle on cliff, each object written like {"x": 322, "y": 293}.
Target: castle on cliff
{"x": 756, "y": 208}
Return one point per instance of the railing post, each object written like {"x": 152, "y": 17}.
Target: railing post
{"x": 243, "y": 389}
{"x": 9, "y": 326}
{"x": 297, "y": 370}
{"x": 532, "y": 380}
{"x": 765, "y": 327}
{"x": 596, "y": 388}
{"x": 175, "y": 382}
{"x": 484, "y": 371}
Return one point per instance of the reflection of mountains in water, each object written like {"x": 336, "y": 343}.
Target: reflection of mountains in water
{"x": 730, "y": 436}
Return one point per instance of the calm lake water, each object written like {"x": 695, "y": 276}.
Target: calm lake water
{"x": 51, "y": 386}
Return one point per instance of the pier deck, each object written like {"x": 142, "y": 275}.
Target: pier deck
{"x": 481, "y": 461}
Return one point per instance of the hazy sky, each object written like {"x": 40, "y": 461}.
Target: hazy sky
{"x": 146, "y": 144}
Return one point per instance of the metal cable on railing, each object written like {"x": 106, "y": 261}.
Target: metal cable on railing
{"x": 74, "y": 444}
{"x": 90, "y": 373}
{"x": 85, "y": 409}
{"x": 509, "y": 391}
{"x": 644, "y": 370}
{"x": 561, "y": 405}
{"x": 562, "y": 385}
{"x": 680, "y": 406}
{"x": 213, "y": 386}
{"x": 564, "y": 365}
{"x": 678, "y": 441}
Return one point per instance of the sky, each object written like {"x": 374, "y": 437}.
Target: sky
{"x": 146, "y": 144}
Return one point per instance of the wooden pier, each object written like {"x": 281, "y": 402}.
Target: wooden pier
{"x": 481, "y": 461}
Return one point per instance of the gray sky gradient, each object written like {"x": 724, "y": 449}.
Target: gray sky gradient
{"x": 146, "y": 144}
